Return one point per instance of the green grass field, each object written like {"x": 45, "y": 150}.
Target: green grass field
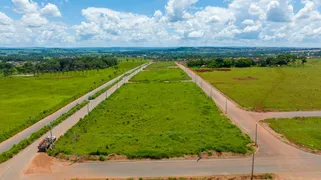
{"x": 271, "y": 88}
{"x": 302, "y": 131}
{"x": 154, "y": 120}
{"x": 161, "y": 75}
{"x": 162, "y": 65}
{"x": 26, "y": 99}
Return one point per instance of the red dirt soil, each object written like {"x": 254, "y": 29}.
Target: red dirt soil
{"x": 211, "y": 70}
{"x": 245, "y": 79}
{"x": 218, "y": 177}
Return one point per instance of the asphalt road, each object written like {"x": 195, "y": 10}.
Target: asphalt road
{"x": 273, "y": 155}
{"x": 6, "y": 145}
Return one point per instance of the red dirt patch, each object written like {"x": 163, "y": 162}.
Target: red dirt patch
{"x": 259, "y": 107}
{"x": 216, "y": 177}
{"x": 246, "y": 79}
{"x": 40, "y": 164}
{"x": 223, "y": 69}
{"x": 204, "y": 70}
{"x": 115, "y": 157}
{"x": 211, "y": 70}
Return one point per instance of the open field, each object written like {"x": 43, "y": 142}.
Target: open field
{"x": 162, "y": 65}
{"x": 161, "y": 71}
{"x": 301, "y": 131}
{"x": 161, "y": 75}
{"x": 154, "y": 120}
{"x": 25, "y": 100}
{"x": 271, "y": 88}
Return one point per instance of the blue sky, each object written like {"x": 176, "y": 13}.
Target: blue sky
{"x": 165, "y": 23}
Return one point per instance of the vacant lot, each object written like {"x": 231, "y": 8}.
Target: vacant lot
{"x": 302, "y": 131}
{"x": 271, "y": 88}
{"x": 155, "y": 120}
{"x": 161, "y": 75}
{"x": 162, "y": 65}
{"x": 25, "y": 99}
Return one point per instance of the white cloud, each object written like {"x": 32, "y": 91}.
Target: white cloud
{"x": 106, "y": 24}
{"x": 33, "y": 15}
{"x": 50, "y": 10}
{"x": 309, "y": 11}
{"x": 33, "y": 20}
{"x": 196, "y": 34}
{"x": 180, "y": 23}
{"x": 4, "y": 19}
{"x": 248, "y": 22}
{"x": 55, "y": 33}
{"x": 279, "y": 11}
{"x": 158, "y": 15}
{"x": 33, "y": 28}
{"x": 255, "y": 10}
{"x": 176, "y": 10}
{"x": 25, "y": 6}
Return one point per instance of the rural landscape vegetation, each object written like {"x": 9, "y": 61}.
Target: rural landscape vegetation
{"x": 160, "y": 90}
{"x": 161, "y": 112}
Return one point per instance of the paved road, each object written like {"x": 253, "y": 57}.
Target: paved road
{"x": 6, "y": 145}
{"x": 273, "y": 155}
{"x": 262, "y": 116}
{"x": 182, "y": 168}
{"x": 13, "y": 168}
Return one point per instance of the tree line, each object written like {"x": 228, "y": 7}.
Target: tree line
{"x": 57, "y": 65}
{"x": 283, "y": 59}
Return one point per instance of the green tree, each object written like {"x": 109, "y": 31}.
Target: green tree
{"x": 304, "y": 60}
{"x": 9, "y": 69}
{"x": 244, "y": 63}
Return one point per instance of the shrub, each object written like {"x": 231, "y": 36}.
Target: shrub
{"x": 101, "y": 158}
{"x": 267, "y": 176}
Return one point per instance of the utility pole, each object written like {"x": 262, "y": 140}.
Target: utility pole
{"x": 200, "y": 146}
{"x": 226, "y": 105}
{"x": 256, "y": 135}
{"x": 75, "y": 149}
{"x": 50, "y": 132}
{"x": 88, "y": 107}
{"x": 254, "y": 152}
{"x": 252, "y": 166}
